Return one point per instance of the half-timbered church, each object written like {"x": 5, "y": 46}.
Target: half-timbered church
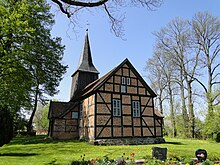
{"x": 117, "y": 108}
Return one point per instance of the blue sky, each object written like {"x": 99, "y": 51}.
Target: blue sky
{"x": 107, "y": 50}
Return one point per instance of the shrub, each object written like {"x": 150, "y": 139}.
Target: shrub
{"x": 6, "y": 126}
{"x": 217, "y": 139}
{"x": 79, "y": 162}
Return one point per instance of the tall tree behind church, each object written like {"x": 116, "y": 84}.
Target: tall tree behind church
{"x": 30, "y": 61}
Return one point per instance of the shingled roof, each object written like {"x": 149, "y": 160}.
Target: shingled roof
{"x": 62, "y": 108}
{"x": 59, "y": 109}
{"x": 92, "y": 87}
{"x": 85, "y": 63}
{"x": 56, "y": 109}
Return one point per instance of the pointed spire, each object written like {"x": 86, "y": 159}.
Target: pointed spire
{"x": 86, "y": 63}
{"x": 86, "y": 72}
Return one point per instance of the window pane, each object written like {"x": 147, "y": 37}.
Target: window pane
{"x": 74, "y": 115}
{"x": 128, "y": 81}
{"x": 123, "y": 89}
{"x": 116, "y": 107}
{"x": 123, "y": 80}
{"x": 136, "y": 108}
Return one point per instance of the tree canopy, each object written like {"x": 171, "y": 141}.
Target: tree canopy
{"x": 30, "y": 58}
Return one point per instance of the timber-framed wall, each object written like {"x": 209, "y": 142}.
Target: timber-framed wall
{"x": 100, "y": 122}
{"x": 117, "y": 108}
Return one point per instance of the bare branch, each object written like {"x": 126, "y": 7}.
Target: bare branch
{"x": 116, "y": 24}
{"x": 71, "y": 7}
{"x": 213, "y": 70}
{"x": 85, "y": 4}
{"x": 60, "y": 3}
{"x": 150, "y": 4}
{"x": 61, "y": 8}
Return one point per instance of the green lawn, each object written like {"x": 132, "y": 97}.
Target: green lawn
{"x": 37, "y": 150}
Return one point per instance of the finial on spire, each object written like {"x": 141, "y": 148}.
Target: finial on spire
{"x": 87, "y": 26}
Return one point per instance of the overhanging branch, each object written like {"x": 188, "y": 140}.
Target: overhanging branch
{"x": 79, "y": 3}
{"x": 70, "y": 8}
{"x": 115, "y": 23}
{"x": 61, "y": 8}
{"x": 60, "y": 3}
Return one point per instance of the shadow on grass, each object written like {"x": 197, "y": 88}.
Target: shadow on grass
{"x": 18, "y": 154}
{"x": 36, "y": 140}
{"x": 175, "y": 143}
{"x": 39, "y": 139}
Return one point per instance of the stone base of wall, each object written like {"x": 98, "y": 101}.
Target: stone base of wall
{"x": 65, "y": 135}
{"x": 129, "y": 141}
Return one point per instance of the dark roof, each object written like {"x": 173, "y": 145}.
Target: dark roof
{"x": 69, "y": 107}
{"x": 92, "y": 87}
{"x": 59, "y": 109}
{"x": 85, "y": 63}
{"x": 56, "y": 109}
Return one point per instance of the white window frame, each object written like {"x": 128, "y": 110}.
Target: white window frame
{"x": 123, "y": 80}
{"x": 136, "y": 108}
{"x": 128, "y": 81}
{"x": 116, "y": 106}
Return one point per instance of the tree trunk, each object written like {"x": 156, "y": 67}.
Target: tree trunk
{"x": 209, "y": 89}
{"x": 30, "y": 122}
{"x": 172, "y": 113}
{"x": 191, "y": 111}
{"x": 184, "y": 110}
{"x": 160, "y": 102}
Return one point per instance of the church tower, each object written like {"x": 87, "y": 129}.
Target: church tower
{"x": 86, "y": 71}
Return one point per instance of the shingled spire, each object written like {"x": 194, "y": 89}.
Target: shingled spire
{"x": 85, "y": 63}
{"x": 86, "y": 71}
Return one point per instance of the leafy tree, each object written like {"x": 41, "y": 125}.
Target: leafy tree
{"x": 30, "y": 59}
{"x": 20, "y": 124}
{"x": 13, "y": 28}
{"x": 40, "y": 118}
{"x": 212, "y": 125}
{"x": 113, "y": 9}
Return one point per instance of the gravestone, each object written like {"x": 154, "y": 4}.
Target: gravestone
{"x": 159, "y": 153}
{"x": 201, "y": 155}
